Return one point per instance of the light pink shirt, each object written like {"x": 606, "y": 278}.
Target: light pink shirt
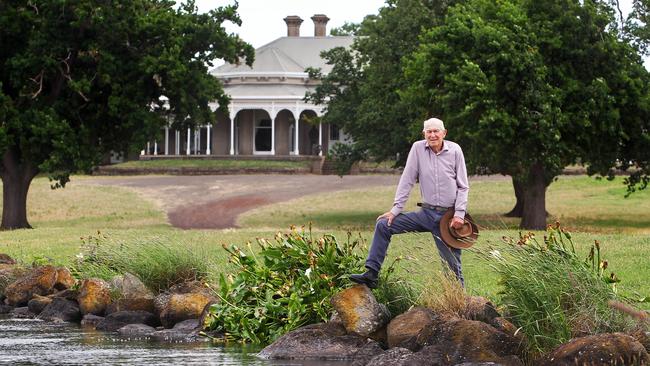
{"x": 442, "y": 176}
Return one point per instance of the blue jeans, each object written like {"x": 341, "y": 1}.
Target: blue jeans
{"x": 424, "y": 220}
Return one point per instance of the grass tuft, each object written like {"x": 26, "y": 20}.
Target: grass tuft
{"x": 158, "y": 262}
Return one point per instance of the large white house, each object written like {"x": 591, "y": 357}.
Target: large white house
{"x": 267, "y": 114}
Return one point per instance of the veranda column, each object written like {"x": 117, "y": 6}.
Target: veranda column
{"x": 273, "y": 116}
{"x": 320, "y": 138}
{"x": 187, "y": 151}
{"x": 155, "y": 147}
{"x": 197, "y": 141}
{"x": 177, "y": 142}
{"x": 207, "y": 148}
{"x": 232, "y": 129}
{"x": 297, "y": 118}
{"x": 166, "y": 140}
{"x": 148, "y": 146}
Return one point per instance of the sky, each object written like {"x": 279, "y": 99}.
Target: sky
{"x": 262, "y": 20}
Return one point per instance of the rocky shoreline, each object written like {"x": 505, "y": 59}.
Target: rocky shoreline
{"x": 361, "y": 330}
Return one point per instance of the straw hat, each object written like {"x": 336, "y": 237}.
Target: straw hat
{"x": 461, "y": 238}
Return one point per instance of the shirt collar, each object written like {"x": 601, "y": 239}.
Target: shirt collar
{"x": 445, "y": 146}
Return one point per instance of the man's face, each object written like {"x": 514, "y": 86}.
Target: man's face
{"x": 434, "y": 137}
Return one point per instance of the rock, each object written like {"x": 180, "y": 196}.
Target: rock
{"x": 643, "y": 337}
{"x": 64, "y": 279}
{"x": 312, "y": 342}
{"x": 69, "y": 294}
{"x": 427, "y": 356}
{"x": 599, "y": 349}
{"x": 39, "y": 281}
{"x": 392, "y": 357}
{"x": 133, "y": 295}
{"x": 6, "y": 259}
{"x": 173, "y": 308}
{"x": 94, "y": 296}
{"x": 366, "y": 353}
{"x": 507, "y": 327}
{"x": 5, "y": 309}
{"x": 117, "y": 320}
{"x": 178, "y": 336}
{"x": 360, "y": 311}
{"x": 90, "y": 320}
{"x": 403, "y": 330}
{"x": 61, "y": 310}
{"x": 22, "y": 313}
{"x": 38, "y": 303}
{"x": 205, "y": 313}
{"x": 462, "y": 340}
{"x": 136, "y": 330}
{"x": 481, "y": 309}
{"x": 187, "y": 326}
{"x": 190, "y": 288}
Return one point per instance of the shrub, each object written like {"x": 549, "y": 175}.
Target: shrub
{"x": 551, "y": 293}
{"x": 288, "y": 284}
{"x": 158, "y": 263}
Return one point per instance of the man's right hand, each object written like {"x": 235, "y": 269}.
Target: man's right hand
{"x": 388, "y": 216}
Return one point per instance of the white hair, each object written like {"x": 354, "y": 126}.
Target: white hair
{"x": 433, "y": 123}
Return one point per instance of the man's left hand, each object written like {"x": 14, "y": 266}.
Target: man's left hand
{"x": 456, "y": 222}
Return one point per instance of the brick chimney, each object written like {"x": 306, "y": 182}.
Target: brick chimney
{"x": 293, "y": 25}
{"x": 320, "y": 25}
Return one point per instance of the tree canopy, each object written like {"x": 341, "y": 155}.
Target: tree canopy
{"x": 81, "y": 78}
{"x": 526, "y": 87}
{"x": 529, "y": 87}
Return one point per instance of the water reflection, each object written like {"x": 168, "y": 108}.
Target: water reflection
{"x": 30, "y": 341}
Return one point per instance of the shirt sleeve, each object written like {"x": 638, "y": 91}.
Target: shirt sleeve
{"x": 462, "y": 184}
{"x": 406, "y": 181}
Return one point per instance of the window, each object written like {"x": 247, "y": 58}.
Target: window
{"x": 335, "y": 133}
{"x": 263, "y": 135}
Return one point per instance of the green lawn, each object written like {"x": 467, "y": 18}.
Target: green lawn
{"x": 592, "y": 209}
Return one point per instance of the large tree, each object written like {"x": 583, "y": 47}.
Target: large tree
{"x": 361, "y": 91}
{"x": 79, "y": 78}
{"x": 530, "y": 86}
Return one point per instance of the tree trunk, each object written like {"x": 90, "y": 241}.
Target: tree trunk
{"x": 16, "y": 178}
{"x": 534, "y": 215}
{"x": 518, "y": 210}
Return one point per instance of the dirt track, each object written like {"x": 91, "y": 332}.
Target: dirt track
{"x": 214, "y": 202}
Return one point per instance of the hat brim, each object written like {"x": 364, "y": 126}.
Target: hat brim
{"x": 449, "y": 239}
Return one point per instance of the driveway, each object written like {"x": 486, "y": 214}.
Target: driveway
{"x": 215, "y": 202}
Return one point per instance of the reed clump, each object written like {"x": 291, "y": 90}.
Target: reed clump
{"x": 550, "y": 292}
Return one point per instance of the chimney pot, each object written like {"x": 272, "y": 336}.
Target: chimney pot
{"x": 293, "y": 25}
{"x": 320, "y": 25}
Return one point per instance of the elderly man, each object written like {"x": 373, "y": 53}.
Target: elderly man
{"x": 439, "y": 166}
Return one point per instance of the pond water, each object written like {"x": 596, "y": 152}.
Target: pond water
{"x": 30, "y": 341}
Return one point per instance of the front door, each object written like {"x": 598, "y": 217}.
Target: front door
{"x": 263, "y": 136}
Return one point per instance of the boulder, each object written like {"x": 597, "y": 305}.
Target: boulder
{"x": 462, "y": 340}
{"x": 5, "y": 309}
{"x": 481, "y": 309}
{"x": 22, "y": 313}
{"x": 70, "y": 294}
{"x": 643, "y": 337}
{"x": 61, "y": 310}
{"x": 313, "y": 342}
{"x": 507, "y": 327}
{"x": 360, "y": 311}
{"x": 392, "y": 357}
{"x": 38, "y": 281}
{"x": 64, "y": 279}
{"x": 366, "y": 353}
{"x": 133, "y": 295}
{"x": 6, "y": 259}
{"x": 173, "y": 308}
{"x": 38, "y": 303}
{"x": 136, "y": 330}
{"x": 599, "y": 349}
{"x": 185, "y": 331}
{"x": 117, "y": 320}
{"x": 90, "y": 320}
{"x": 403, "y": 330}
{"x": 94, "y": 296}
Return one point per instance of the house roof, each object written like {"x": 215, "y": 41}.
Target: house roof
{"x": 288, "y": 55}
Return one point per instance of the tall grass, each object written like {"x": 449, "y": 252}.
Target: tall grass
{"x": 550, "y": 292}
{"x": 444, "y": 294}
{"x": 158, "y": 262}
